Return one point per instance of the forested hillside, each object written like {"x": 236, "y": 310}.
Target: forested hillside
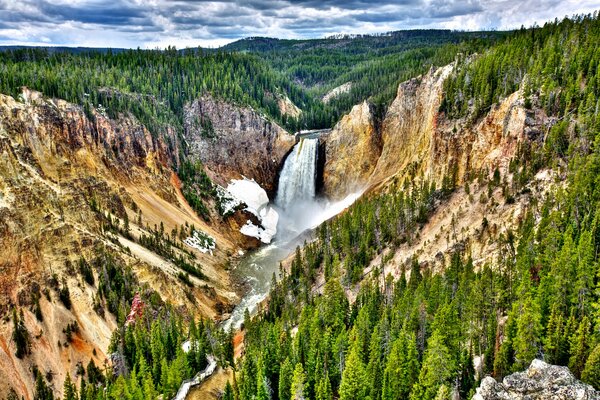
{"x": 337, "y": 324}
{"x": 416, "y": 337}
{"x": 154, "y": 85}
{"x": 373, "y": 64}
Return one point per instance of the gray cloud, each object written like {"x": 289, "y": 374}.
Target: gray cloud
{"x": 151, "y": 23}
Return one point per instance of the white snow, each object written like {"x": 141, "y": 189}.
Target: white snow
{"x": 228, "y": 202}
{"x": 264, "y": 235}
{"x": 255, "y": 197}
{"x": 249, "y": 192}
{"x": 201, "y": 241}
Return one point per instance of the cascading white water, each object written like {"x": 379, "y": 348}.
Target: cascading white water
{"x": 298, "y": 176}
{"x": 299, "y": 210}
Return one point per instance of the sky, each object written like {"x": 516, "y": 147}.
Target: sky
{"x": 192, "y": 23}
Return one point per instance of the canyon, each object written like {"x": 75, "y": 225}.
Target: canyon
{"x": 56, "y": 161}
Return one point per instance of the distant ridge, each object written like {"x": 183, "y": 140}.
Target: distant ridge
{"x": 65, "y": 49}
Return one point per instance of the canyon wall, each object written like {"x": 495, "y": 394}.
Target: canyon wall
{"x": 350, "y": 150}
{"x": 233, "y": 141}
{"x": 415, "y": 142}
{"x": 57, "y": 169}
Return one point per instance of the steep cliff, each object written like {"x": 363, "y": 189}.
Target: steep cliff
{"x": 234, "y": 141}
{"x": 73, "y": 187}
{"x": 415, "y": 142}
{"x": 350, "y": 151}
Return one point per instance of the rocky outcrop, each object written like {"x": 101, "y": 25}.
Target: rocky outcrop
{"x": 408, "y": 129}
{"x": 233, "y": 141}
{"x": 416, "y": 140}
{"x": 351, "y": 152}
{"x": 540, "y": 381}
{"x": 420, "y": 141}
{"x": 287, "y": 107}
{"x": 336, "y": 91}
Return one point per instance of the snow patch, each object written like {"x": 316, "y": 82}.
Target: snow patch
{"x": 227, "y": 202}
{"x": 201, "y": 241}
{"x": 249, "y": 192}
{"x": 255, "y": 197}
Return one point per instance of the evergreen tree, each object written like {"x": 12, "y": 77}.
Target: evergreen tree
{"x": 591, "y": 372}
{"x": 69, "y": 389}
{"x": 354, "y": 377}
{"x": 438, "y": 369}
{"x": 323, "y": 390}
{"x": 402, "y": 368}
{"x": 20, "y": 334}
{"x": 228, "y": 392}
{"x": 286, "y": 373}
{"x": 42, "y": 391}
{"x": 298, "y": 386}
{"x": 527, "y": 341}
{"x": 580, "y": 348}
{"x": 262, "y": 385}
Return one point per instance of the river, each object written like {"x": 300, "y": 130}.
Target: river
{"x": 299, "y": 211}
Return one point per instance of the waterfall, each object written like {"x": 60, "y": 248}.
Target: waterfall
{"x": 298, "y": 176}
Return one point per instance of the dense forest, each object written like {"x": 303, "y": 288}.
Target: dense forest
{"x": 155, "y": 85}
{"x": 416, "y": 337}
{"x": 373, "y": 64}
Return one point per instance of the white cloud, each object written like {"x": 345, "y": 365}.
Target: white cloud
{"x": 152, "y": 23}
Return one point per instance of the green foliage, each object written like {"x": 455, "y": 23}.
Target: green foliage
{"x": 197, "y": 187}
{"x": 20, "y": 334}
{"x": 555, "y": 65}
{"x": 153, "y": 85}
{"x": 69, "y": 389}
{"x": 41, "y": 391}
{"x": 297, "y": 388}
{"x": 64, "y": 295}
{"x": 86, "y": 271}
{"x": 591, "y": 372}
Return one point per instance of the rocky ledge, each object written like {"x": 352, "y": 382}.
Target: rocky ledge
{"x": 540, "y": 381}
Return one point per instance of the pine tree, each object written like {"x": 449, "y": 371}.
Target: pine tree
{"x": 323, "y": 390}
{"x": 438, "y": 368}
{"x": 228, "y": 392}
{"x": 580, "y": 347}
{"x": 582, "y": 295}
{"x": 262, "y": 385}
{"x": 285, "y": 379}
{"x": 69, "y": 389}
{"x": 42, "y": 391}
{"x": 443, "y": 393}
{"x": 402, "y": 368}
{"x": 527, "y": 341}
{"x": 556, "y": 347}
{"x": 298, "y": 383}
{"x": 20, "y": 334}
{"x": 354, "y": 377}
{"x": 591, "y": 372}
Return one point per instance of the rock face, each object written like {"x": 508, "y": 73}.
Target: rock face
{"x": 351, "y": 151}
{"x": 335, "y": 92}
{"x": 416, "y": 142}
{"x": 540, "y": 381}
{"x": 240, "y": 142}
{"x": 408, "y": 129}
{"x": 287, "y": 107}
{"x": 55, "y": 162}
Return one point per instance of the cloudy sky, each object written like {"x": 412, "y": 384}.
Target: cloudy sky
{"x": 185, "y": 23}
